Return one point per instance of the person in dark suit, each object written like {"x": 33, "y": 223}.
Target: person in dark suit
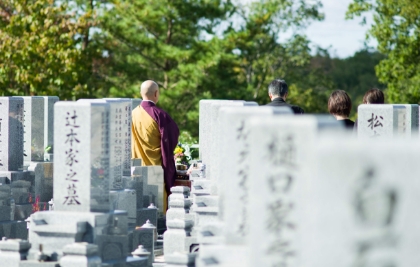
{"x": 278, "y": 91}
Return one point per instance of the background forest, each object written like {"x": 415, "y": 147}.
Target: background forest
{"x": 200, "y": 49}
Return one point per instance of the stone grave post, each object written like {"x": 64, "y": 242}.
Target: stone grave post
{"x": 359, "y": 205}
{"x": 234, "y": 178}
{"x": 82, "y": 211}
{"x": 281, "y": 148}
{"x": 15, "y": 185}
{"x": 377, "y": 121}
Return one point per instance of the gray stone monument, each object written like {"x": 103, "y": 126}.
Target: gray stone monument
{"x": 49, "y": 102}
{"x": 11, "y": 133}
{"x": 34, "y": 126}
{"x": 81, "y": 172}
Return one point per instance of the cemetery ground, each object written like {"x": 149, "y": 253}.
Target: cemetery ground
{"x": 270, "y": 188}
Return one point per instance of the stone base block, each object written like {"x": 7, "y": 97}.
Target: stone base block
{"x": 5, "y": 213}
{"x": 137, "y": 262}
{"x": 112, "y": 247}
{"x": 176, "y": 241}
{"x": 34, "y": 263}
{"x": 13, "y": 176}
{"x": 56, "y": 229}
{"x": 222, "y": 255}
{"x": 145, "y": 214}
{"x": 14, "y": 229}
{"x": 211, "y": 233}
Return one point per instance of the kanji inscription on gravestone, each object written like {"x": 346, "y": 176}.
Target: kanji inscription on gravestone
{"x": 374, "y": 122}
{"x": 281, "y": 155}
{"x": 72, "y": 155}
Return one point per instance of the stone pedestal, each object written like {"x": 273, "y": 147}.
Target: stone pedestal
{"x": 13, "y": 251}
{"x": 178, "y": 237}
{"x": 80, "y": 255}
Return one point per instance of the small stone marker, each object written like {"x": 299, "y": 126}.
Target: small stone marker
{"x": 11, "y": 133}
{"x": 81, "y": 140}
{"x": 382, "y": 121}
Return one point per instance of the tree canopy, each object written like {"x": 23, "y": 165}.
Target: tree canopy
{"x": 196, "y": 49}
{"x": 396, "y": 27}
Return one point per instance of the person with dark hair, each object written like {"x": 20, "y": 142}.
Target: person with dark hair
{"x": 339, "y": 105}
{"x": 374, "y": 96}
{"x": 278, "y": 91}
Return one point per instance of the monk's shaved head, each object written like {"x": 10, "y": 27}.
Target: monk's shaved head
{"x": 148, "y": 89}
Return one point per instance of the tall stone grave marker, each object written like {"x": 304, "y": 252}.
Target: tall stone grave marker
{"x": 382, "y": 121}
{"x": 122, "y": 121}
{"x": 204, "y": 126}
{"x": 279, "y": 149}
{"x": 412, "y": 118}
{"x": 361, "y": 205}
{"x": 81, "y": 171}
{"x": 49, "y": 102}
{"x": 234, "y": 180}
{"x": 33, "y": 125}
{"x": 11, "y": 133}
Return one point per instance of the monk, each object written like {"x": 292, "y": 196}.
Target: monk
{"x": 154, "y": 135}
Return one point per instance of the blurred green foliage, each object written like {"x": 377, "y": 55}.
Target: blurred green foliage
{"x": 396, "y": 28}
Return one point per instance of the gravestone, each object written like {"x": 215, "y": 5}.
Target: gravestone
{"x": 49, "y": 102}
{"x": 81, "y": 171}
{"x": 377, "y": 121}
{"x": 412, "y": 118}
{"x": 15, "y": 185}
{"x": 11, "y": 133}
{"x": 234, "y": 179}
{"x": 280, "y": 147}
{"x": 122, "y": 118}
{"x": 204, "y": 127}
{"x": 360, "y": 204}
{"x": 33, "y": 125}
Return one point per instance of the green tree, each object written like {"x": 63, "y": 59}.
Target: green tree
{"x": 396, "y": 28}
{"x": 40, "y": 49}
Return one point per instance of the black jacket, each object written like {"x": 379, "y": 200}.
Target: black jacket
{"x": 279, "y": 102}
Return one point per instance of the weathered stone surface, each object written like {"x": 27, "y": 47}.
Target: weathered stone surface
{"x": 11, "y": 133}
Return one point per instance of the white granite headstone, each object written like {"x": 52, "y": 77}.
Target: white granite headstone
{"x": 204, "y": 127}
{"x": 360, "y": 205}
{"x": 280, "y": 147}
{"x": 81, "y": 171}
{"x": 381, "y": 121}
{"x": 11, "y": 133}
{"x": 234, "y": 179}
